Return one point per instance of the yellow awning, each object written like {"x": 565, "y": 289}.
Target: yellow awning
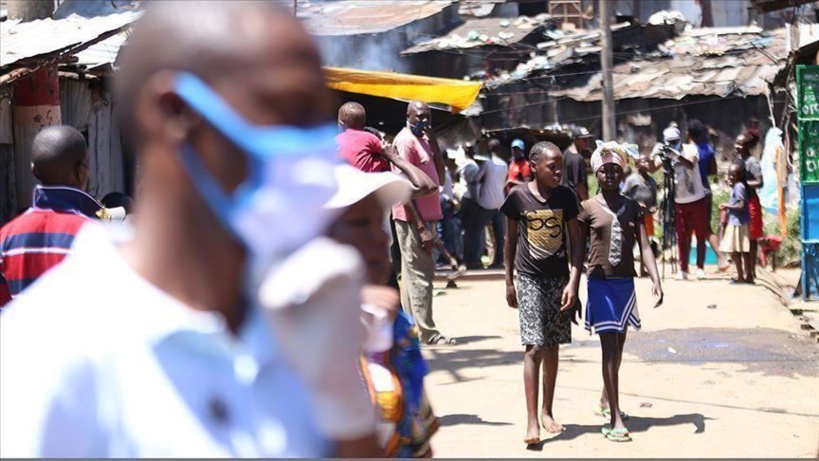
{"x": 457, "y": 94}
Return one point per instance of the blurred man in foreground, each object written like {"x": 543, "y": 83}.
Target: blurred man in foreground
{"x": 204, "y": 335}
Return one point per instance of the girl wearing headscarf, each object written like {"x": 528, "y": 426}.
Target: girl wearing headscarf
{"x": 614, "y": 223}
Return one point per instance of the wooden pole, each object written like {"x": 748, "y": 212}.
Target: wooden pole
{"x": 707, "y": 13}
{"x": 607, "y": 63}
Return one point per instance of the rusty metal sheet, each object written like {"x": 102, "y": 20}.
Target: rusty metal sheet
{"x": 46, "y": 36}
{"x": 357, "y": 17}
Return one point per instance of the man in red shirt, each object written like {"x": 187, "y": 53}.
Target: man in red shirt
{"x": 41, "y": 237}
{"x": 519, "y": 172}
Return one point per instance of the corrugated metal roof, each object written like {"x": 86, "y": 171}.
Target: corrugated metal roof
{"x": 357, "y": 17}
{"x": 702, "y": 64}
{"x": 104, "y": 52}
{"x": 45, "y": 36}
{"x": 476, "y": 33}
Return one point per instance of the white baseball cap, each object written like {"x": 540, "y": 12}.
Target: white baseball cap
{"x": 671, "y": 134}
{"x": 354, "y": 185}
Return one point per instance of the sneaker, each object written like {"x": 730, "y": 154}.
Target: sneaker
{"x": 700, "y": 274}
{"x": 682, "y": 275}
{"x": 456, "y": 273}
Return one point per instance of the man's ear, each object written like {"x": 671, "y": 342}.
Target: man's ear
{"x": 161, "y": 111}
{"x": 34, "y": 172}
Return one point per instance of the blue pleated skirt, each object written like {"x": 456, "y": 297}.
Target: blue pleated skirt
{"x": 611, "y": 306}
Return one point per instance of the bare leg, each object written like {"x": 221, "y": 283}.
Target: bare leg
{"x": 713, "y": 239}
{"x": 550, "y": 364}
{"x": 610, "y": 344}
{"x": 751, "y": 266}
{"x": 531, "y": 374}
{"x": 737, "y": 257}
{"x": 621, "y": 337}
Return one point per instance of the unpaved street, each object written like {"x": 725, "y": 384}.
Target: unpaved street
{"x": 718, "y": 371}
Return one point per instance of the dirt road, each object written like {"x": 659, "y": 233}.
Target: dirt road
{"x": 718, "y": 371}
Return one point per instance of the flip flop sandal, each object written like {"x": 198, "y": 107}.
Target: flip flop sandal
{"x": 606, "y": 413}
{"x": 616, "y": 435}
{"x": 441, "y": 340}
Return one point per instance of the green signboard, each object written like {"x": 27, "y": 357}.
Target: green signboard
{"x": 807, "y": 82}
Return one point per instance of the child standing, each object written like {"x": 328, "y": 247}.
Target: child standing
{"x": 537, "y": 213}
{"x": 614, "y": 223}
{"x": 736, "y": 239}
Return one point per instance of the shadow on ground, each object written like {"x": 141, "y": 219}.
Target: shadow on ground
{"x": 635, "y": 425}
{"x": 452, "y": 359}
{"x": 461, "y": 419}
{"x": 759, "y": 350}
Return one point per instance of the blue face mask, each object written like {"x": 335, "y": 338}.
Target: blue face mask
{"x": 418, "y": 128}
{"x": 279, "y": 206}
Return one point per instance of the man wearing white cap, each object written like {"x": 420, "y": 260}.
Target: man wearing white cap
{"x": 689, "y": 198}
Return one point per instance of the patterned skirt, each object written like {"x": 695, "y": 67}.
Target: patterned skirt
{"x": 541, "y": 322}
{"x": 612, "y": 306}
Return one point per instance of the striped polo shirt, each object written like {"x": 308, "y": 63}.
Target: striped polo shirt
{"x": 41, "y": 237}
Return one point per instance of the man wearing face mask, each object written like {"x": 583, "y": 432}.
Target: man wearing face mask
{"x": 203, "y": 334}
{"x": 41, "y": 237}
{"x": 416, "y": 221}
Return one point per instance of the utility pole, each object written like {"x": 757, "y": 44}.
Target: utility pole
{"x": 609, "y": 121}
{"x": 707, "y": 13}
{"x": 35, "y": 105}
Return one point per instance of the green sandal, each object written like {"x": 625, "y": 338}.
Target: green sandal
{"x": 606, "y": 413}
{"x": 616, "y": 435}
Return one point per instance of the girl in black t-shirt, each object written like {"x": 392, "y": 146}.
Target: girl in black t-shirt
{"x": 538, "y": 214}
{"x": 613, "y": 223}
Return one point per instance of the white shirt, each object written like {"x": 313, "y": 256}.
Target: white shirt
{"x": 97, "y": 362}
{"x": 493, "y": 174}
{"x": 688, "y": 186}
{"x": 446, "y": 190}
{"x": 468, "y": 170}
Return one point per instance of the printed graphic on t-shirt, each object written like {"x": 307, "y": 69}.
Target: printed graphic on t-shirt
{"x": 544, "y": 230}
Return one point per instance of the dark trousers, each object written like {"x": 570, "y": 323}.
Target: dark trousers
{"x": 449, "y": 228}
{"x": 474, "y": 219}
{"x": 499, "y": 230}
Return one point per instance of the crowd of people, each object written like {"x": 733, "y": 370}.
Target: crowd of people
{"x": 268, "y": 291}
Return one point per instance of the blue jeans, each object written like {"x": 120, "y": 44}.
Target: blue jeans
{"x": 449, "y": 228}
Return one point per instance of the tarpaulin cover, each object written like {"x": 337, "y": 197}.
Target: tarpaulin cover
{"x": 455, "y": 93}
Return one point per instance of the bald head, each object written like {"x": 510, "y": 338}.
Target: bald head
{"x": 59, "y": 157}
{"x": 353, "y": 115}
{"x": 416, "y": 107}
{"x": 222, "y": 41}
{"x": 495, "y": 146}
{"x": 419, "y": 117}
